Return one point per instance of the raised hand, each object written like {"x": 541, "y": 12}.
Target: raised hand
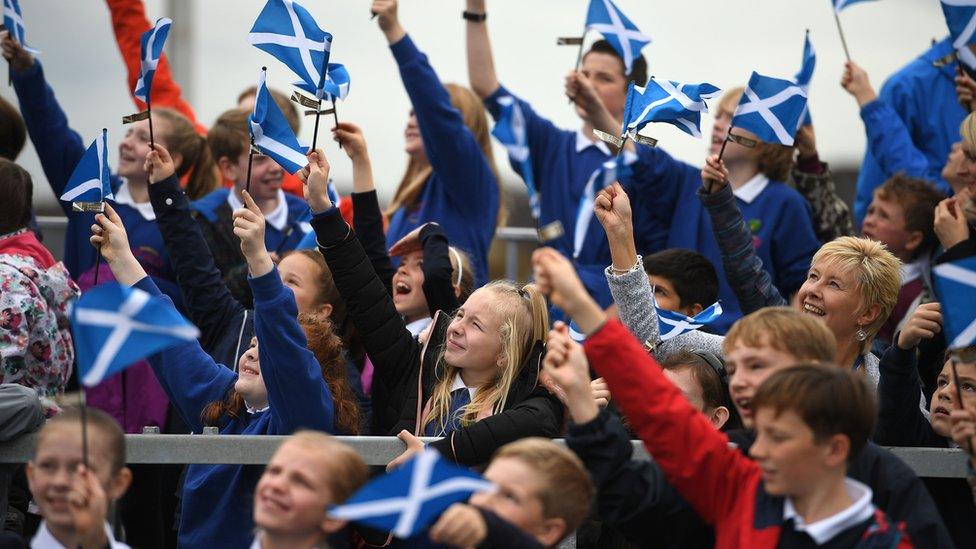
{"x": 88, "y": 506}
{"x": 612, "y": 209}
{"x": 950, "y": 222}
{"x": 350, "y": 136}
{"x": 715, "y": 171}
{"x": 556, "y": 277}
{"x": 249, "y": 226}
{"x": 109, "y": 238}
{"x": 315, "y": 182}
{"x": 389, "y": 22}
{"x": 566, "y": 367}
{"x": 855, "y": 81}
{"x": 159, "y": 164}
{"x": 15, "y": 54}
{"x": 924, "y": 323}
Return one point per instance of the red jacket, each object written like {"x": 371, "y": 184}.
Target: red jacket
{"x": 721, "y": 484}
{"x": 129, "y": 22}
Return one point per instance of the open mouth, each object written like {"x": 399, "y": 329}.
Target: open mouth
{"x": 813, "y": 309}
{"x": 744, "y": 404}
{"x": 402, "y": 288}
{"x": 941, "y": 411}
{"x": 250, "y": 371}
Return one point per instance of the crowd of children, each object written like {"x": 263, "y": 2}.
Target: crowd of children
{"x": 766, "y": 426}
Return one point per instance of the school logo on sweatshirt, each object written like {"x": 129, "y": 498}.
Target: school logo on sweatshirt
{"x": 754, "y": 226}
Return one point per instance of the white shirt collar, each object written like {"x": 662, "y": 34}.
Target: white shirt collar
{"x": 751, "y": 189}
{"x": 459, "y": 384}
{"x": 826, "y": 529}
{"x": 418, "y": 326}
{"x": 123, "y": 196}
{"x": 582, "y": 142}
{"x": 911, "y": 271}
{"x": 44, "y": 539}
{"x": 277, "y": 219}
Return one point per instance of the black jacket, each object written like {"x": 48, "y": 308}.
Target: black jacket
{"x": 406, "y": 371}
{"x": 900, "y": 423}
{"x": 633, "y": 496}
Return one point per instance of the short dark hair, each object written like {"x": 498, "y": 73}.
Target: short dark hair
{"x": 17, "y": 191}
{"x": 918, "y": 199}
{"x": 831, "y": 400}
{"x": 638, "y": 69}
{"x": 13, "y": 132}
{"x": 708, "y": 370}
{"x": 692, "y": 275}
{"x": 96, "y": 420}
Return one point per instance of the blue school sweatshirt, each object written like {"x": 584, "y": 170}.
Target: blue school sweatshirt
{"x": 779, "y": 218}
{"x": 462, "y": 191}
{"x": 924, "y": 97}
{"x": 217, "y": 500}
{"x": 562, "y": 163}
{"x": 279, "y": 241}
{"x": 60, "y": 149}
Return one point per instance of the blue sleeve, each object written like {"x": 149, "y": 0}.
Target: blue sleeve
{"x": 541, "y": 134}
{"x": 190, "y": 377}
{"x": 793, "y": 244}
{"x": 655, "y": 183}
{"x": 297, "y": 393}
{"x": 58, "y": 146}
{"x": 452, "y": 150}
{"x": 891, "y": 145}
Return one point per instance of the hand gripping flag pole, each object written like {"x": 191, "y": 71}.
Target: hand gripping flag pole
{"x": 90, "y": 184}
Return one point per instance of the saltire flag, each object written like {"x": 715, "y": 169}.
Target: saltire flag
{"x": 271, "y": 133}
{"x": 670, "y": 102}
{"x": 803, "y": 77}
{"x": 955, "y": 284}
{"x": 960, "y": 16}
{"x": 91, "y": 180}
{"x": 114, "y": 326}
{"x": 841, "y": 4}
{"x": 287, "y": 31}
{"x": 511, "y": 132}
{"x": 771, "y": 108}
{"x": 13, "y": 19}
{"x": 152, "y": 49}
{"x": 605, "y": 18}
{"x": 406, "y": 501}
{"x": 335, "y": 87}
{"x": 672, "y": 324}
{"x": 611, "y": 171}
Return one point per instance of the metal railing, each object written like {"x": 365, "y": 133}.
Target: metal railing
{"x": 257, "y": 450}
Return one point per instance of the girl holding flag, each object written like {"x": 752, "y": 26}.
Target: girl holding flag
{"x": 451, "y": 176}
{"x": 281, "y": 387}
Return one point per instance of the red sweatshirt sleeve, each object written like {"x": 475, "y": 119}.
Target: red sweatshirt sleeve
{"x": 715, "y": 479}
{"x": 129, "y": 23}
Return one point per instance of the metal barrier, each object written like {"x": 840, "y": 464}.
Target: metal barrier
{"x": 257, "y": 450}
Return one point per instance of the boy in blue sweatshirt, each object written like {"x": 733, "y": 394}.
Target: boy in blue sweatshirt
{"x": 279, "y": 387}
{"x": 286, "y": 215}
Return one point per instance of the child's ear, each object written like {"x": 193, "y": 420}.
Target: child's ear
{"x": 325, "y": 310}
{"x": 228, "y": 169}
{"x": 719, "y": 416}
{"x": 694, "y": 309}
{"x": 915, "y": 239}
{"x": 838, "y": 450}
{"x": 457, "y": 290}
{"x": 118, "y": 484}
{"x": 551, "y": 532}
{"x": 331, "y": 525}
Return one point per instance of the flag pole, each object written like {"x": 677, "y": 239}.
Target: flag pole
{"x": 315, "y": 130}
{"x": 250, "y": 158}
{"x": 84, "y": 420}
{"x": 955, "y": 381}
{"x": 843, "y": 41}
{"x": 152, "y": 140}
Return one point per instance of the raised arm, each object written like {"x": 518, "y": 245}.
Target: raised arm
{"x": 481, "y": 62}
{"x": 208, "y": 302}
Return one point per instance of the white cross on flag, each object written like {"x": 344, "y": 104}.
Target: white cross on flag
{"x": 91, "y": 179}
{"x": 955, "y": 284}
{"x": 669, "y": 102}
{"x": 605, "y": 18}
{"x": 288, "y": 32}
{"x": 768, "y": 107}
{"x": 408, "y": 500}
{"x": 114, "y": 326}
{"x": 152, "y": 49}
{"x": 271, "y": 132}
{"x": 960, "y": 16}
{"x": 13, "y": 19}
{"x": 672, "y": 324}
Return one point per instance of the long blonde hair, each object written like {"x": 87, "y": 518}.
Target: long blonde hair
{"x": 418, "y": 171}
{"x": 525, "y": 321}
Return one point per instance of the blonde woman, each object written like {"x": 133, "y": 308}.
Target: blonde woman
{"x": 451, "y": 176}
{"x": 474, "y": 381}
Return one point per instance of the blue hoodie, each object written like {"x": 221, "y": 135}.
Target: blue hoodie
{"x": 217, "y": 500}
{"x": 924, "y": 98}
{"x": 462, "y": 191}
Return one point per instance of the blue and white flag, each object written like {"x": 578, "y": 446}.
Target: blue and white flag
{"x": 672, "y": 324}
{"x": 335, "y": 87}
{"x": 604, "y": 17}
{"x": 289, "y": 33}
{"x": 955, "y": 284}
{"x": 13, "y": 19}
{"x": 771, "y": 108}
{"x": 841, "y": 4}
{"x": 271, "y": 133}
{"x": 670, "y": 102}
{"x": 804, "y": 76}
{"x": 114, "y": 326}
{"x": 612, "y": 170}
{"x": 960, "y": 16}
{"x": 510, "y": 131}
{"x": 406, "y": 501}
{"x": 91, "y": 180}
{"x": 152, "y": 49}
